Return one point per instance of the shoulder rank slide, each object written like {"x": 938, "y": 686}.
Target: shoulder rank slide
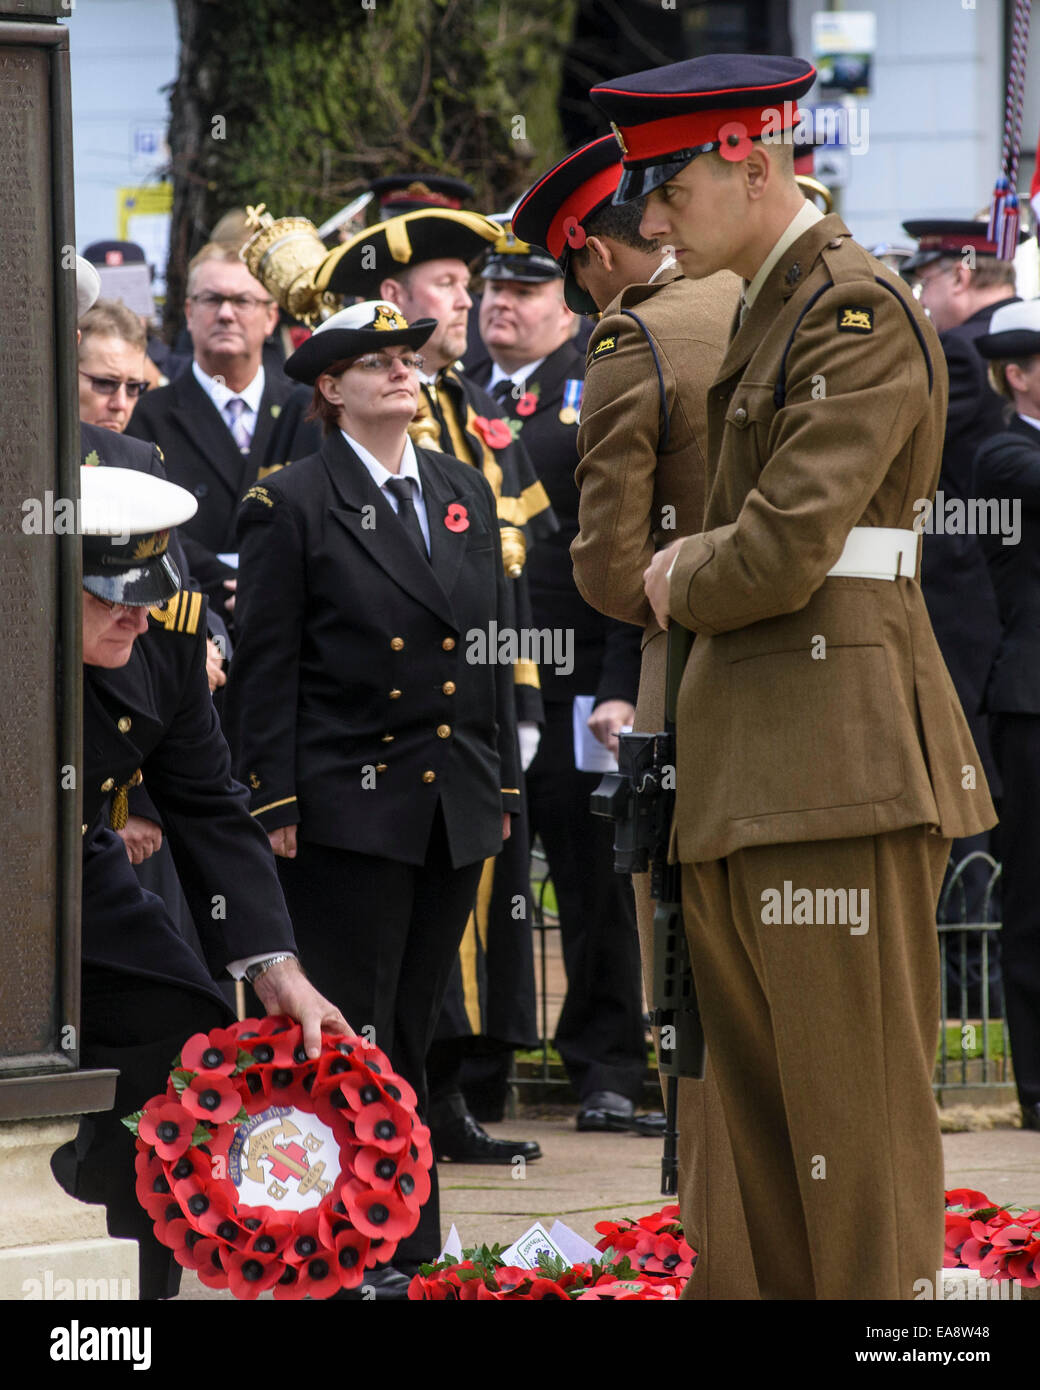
{"x": 182, "y": 612}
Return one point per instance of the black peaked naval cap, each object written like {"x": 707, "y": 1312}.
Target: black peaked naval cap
{"x": 553, "y": 211}
{"x": 511, "y": 258}
{"x": 1014, "y": 331}
{"x": 370, "y": 326}
{"x": 665, "y": 117}
{"x": 125, "y": 521}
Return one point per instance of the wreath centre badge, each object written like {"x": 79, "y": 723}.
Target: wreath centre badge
{"x": 283, "y": 1158}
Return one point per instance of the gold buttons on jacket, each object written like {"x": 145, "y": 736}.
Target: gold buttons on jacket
{"x": 108, "y": 784}
{"x": 123, "y": 724}
{"x": 380, "y": 767}
{"x": 443, "y": 730}
{"x": 740, "y": 416}
{"x": 448, "y": 688}
{"x": 396, "y": 644}
{"x": 448, "y": 644}
{"x": 429, "y": 776}
{"x": 395, "y": 694}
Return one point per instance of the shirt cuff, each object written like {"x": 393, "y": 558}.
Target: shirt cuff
{"x": 237, "y": 968}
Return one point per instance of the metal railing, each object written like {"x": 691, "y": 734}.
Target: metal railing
{"x": 972, "y": 949}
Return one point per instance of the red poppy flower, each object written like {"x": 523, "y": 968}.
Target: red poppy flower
{"x": 171, "y": 1224}
{"x": 250, "y": 1274}
{"x": 425, "y": 1288}
{"x": 377, "y": 1168}
{"x": 420, "y": 1151}
{"x": 397, "y": 1088}
{"x": 216, "y": 1051}
{"x": 361, "y": 1089}
{"x": 527, "y": 404}
{"x": 495, "y": 433}
{"x": 413, "y": 1183}
{"x": 387, "y": 1126}
{"x": 306, "y": 1242}
{"x": 547, "y": 1289}
{"x": 968, "y": 1198}
{"x": 211, "y": 1097}
{"x": 457, "y": 518}
{"x": 271, "y": 1238}
{"x": 574, "y": 232}
{"x": 381, "y": 1215}
{"x": 289, "y": 1285}
{"x": 319, "y": 1276}
{"x": 669, "y": 1256}
{"x": 734, "y": 143}
{"x": 168, "y": 1128}
{"x": 351, "y": 1251}
{"x": 204, "y": 1258}
{"x": 280, "y": 1024}
{"x": 272, "y": 1049}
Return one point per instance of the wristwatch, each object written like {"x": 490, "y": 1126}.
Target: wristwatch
{"x": 261, "y": 967}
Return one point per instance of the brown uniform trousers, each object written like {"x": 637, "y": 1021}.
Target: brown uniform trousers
{"x": 821, "y": 746}
{"x": 637, "y": 494}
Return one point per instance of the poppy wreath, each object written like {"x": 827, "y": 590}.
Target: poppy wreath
{"x": 262, "y": 1168}
{"x": 1000, "y": 1242}
{"x": 643, "y": 1261}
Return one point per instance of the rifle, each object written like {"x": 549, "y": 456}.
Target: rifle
{"x": 640, "y": 799}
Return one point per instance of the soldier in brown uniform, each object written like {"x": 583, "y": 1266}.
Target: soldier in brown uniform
{"x": 642, "y": 484}
{"x": 824, "y": 763}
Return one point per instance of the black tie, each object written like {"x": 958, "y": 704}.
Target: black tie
{"x": 406, "y": 513}
{"x": 503, "y": 391}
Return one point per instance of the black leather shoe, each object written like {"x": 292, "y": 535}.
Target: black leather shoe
{"x": 652, "y": 1125}
{"x": 462, "y": 1140}
{"x": 1031, "y": 1116}
{"x": 606, "y": 1111}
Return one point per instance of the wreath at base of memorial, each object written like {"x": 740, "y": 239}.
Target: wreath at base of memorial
{"x": 1000, "y": 1242}
{"x": 263, "y": 1168}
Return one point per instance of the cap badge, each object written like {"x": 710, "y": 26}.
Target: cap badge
{"x": 619, "y": 138}
{"x": 387, "y": 318}
{"x": 151, "y": 545}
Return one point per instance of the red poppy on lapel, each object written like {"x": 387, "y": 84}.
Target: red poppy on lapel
{"x": 527, "y": 404}
{"x": 495, "y": 433}
{"x": 457, "y": 518}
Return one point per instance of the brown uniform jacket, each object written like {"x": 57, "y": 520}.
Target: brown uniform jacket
{"x": 782, "y": 737}
{"x": 638, "y": 493}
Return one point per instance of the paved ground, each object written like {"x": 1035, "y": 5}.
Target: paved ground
{"x": 584, "y": 1178}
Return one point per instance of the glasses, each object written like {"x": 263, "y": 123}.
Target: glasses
{"x": 240, "y": 303}
{"x": 922, "y": 282}
{"x": 109, "y": 385}
{"x": 114, "y": 607}
{"x": 383, "y": 362}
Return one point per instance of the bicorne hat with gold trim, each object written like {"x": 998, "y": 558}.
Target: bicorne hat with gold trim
{"x": 665, "y": 117}
{"x": 367, "y": 327}
{"x": 431, "y": 234}
{"x": 399, "y": 193}
{"x": 125, "y": 519}
{"x": 552, "y": 213}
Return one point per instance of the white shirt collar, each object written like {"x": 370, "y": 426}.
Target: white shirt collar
{"x": 666, "y": 264}
{"x": 806, "y": 216}
{"x": 409, "y": 463}
{"x": 1029, "y": 420}
{"x": 220, "y": 394}
{"x": 519, "y": 377}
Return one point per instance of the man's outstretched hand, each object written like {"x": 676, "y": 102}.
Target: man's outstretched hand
{"x": 285, "y": 989}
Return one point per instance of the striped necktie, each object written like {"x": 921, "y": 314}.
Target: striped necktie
{"x": 240, "y": 431}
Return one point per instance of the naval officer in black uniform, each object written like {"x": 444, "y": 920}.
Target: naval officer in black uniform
{"x": 147, "y": 711}
{"x": 381, "y": 758}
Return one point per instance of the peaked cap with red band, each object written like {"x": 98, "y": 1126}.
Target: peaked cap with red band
{"x": 665, "y": 117}
{"x": 941, "y": 237}
{"x": 552, "y": 213}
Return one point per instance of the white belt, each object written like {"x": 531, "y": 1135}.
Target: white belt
{"x": 878, "y": 552}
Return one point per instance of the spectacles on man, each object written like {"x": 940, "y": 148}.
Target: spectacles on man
{"x": 240, "y": 303}
{"x": 114, "y": 607}
{"x": 109, "y": 385}
{"x": 383, "y": 362}
{"x": 921, "y": 282}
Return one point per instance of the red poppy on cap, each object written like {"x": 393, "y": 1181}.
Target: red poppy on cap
{"x": 457, "y": 518}
{"x": 495, "y": 433}
{"x": 734, "y": 143}
{"x": 211, "y": 1097}
{"x": 574, "y": 232}
{"x": 168, "y": 1128}
{"x": 216, "y": 1051}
